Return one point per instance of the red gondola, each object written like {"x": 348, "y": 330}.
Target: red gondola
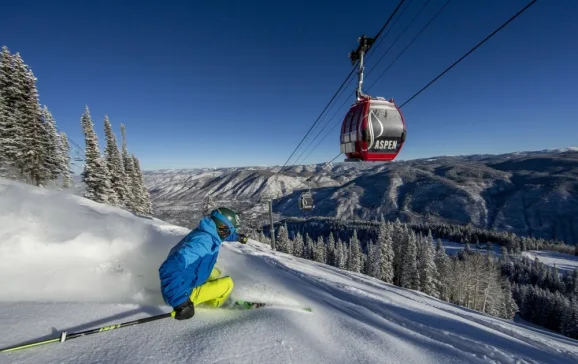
{"x": 374, "y": 128}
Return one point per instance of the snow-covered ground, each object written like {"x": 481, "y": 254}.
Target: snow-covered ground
{"x": 452, "y": 248}
{"x": 563, "y": 262}
{"x": 70, "y": 264}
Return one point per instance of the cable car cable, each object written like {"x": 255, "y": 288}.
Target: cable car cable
{"x": 398, "y": 37}
{"x": 388, "y": 20}
{"x": 321, "y": 131}
{"x": 329, "y": 132}
{"x": 410, "y": 43}
{"x": 339, "y": 89}
{"x": 471, "y": 51}
{"x": 378, "y": 42}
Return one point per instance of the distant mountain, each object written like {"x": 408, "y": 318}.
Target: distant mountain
{"x": 528, "y": 193}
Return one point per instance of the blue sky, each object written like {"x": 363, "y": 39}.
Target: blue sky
{"x": 231, "y": 83}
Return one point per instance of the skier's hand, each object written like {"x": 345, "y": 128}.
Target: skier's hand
{"x": 243, "y": 239}
{"x": 185, "y": 310}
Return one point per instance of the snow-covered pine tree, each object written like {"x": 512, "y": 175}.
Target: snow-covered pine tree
{"x": 65, "y": 160}
{"x": 371, "y": 261}
{"x": 410, "y": 274}
{"x": 385, "y": 253}
{"x": 331, "y": 249}
{"x": 444, "y": 267}
{"x": 569, "y": 324}
{"x": 141, "y": 192}
{"x": 573, "y": 287}
{"x": 319, "y": 250}
{"x": 298, "y": 245}
{"x": 128, "y": 165}
{"x": 339, "y": 254}
{"x": 510, "y": 307}
{"x": 308, "y": 247}
{"x": 11, "y": 137}
{"x": 399, "y": 238}
{"x": 343, "y": 254}
{"x": 95, "y": 174}
{"x": 35, "y": 136}
{"x": 114, "y": 165}
{"x": 52, "y": 153}
{"x": 282, "y": 238}
{"x": 263, "y": 239}
{"x": 354, "y": 262}
{"x": 428, "y": 270}
{"x": 290, "y": 243}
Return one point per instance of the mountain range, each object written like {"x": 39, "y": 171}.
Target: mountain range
{"x": 527, "y": 193}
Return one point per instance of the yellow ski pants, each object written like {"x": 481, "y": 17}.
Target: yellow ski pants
{"x": 214, "y": 292}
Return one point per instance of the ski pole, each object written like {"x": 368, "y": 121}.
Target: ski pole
{"x": 64, "y": 336}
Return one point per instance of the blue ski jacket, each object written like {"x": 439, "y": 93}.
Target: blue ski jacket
{"x": 190, "y": 262}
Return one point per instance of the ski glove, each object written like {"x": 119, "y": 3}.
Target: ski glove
{"x": 243, "y": 239}
{"x": 185, "y": 310}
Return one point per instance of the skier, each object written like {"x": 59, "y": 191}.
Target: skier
{"x": 188, "y": 275}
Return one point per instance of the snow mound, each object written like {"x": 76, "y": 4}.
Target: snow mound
{"x": 70, "y": 264}
{"x": 58, "y": 247}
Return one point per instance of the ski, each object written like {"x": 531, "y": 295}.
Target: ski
{"x": 250, "y": 305}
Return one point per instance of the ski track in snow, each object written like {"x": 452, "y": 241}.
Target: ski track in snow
{"x": 71, "y": 264}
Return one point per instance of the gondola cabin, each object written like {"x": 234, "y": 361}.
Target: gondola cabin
{"x": 373, "y": 130}
{"x": 306, "y": 201}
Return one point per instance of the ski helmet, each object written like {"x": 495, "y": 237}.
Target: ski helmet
{"x": 227, "y": 221}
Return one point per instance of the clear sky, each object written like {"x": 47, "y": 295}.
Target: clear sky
{"x": 238, "y": 83}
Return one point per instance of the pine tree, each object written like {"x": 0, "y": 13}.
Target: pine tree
{"x": 308, "y": 247}
{"x": 65, "y": 160}
{"x": 128, "y": 165}
{"x": 410, "y": 274}
{"x": 339, "y": 256}
{"x": 385, "y": 253}
{"x": 443, "y": 265}
{"x": 344, "y": 252}
{"x": 140, "y": 192}
{"x": 354, "y": 262}
{"x": 290, "y": 247}
{"x": 282, "y": 239}
{"x": 298, "y": 245}
{"x": 52, "y": 152}
{"x": 510, "y": 306}
{"x": 318, "y": 251}
{"x": 114, "y": 165}
{"x": 428, "y": 270}
{"x": 399, "y": 237}
{"x": 11, "y": 133}
{"x": 263, "y": 239}
{"x": 331, "y": 250}
{"x": 95, "y": 174}
{"x": 35, "y": 139}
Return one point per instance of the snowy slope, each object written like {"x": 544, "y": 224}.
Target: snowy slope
{"x": 70, "y": 264}
{"x": 563, "y": 262}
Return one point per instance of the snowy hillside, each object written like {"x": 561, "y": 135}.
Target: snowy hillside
{"x": 70, "y": 264}
{"x": 563, "y": 262}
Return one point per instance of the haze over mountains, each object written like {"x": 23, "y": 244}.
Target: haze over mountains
{"x": 528, "y": 193}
